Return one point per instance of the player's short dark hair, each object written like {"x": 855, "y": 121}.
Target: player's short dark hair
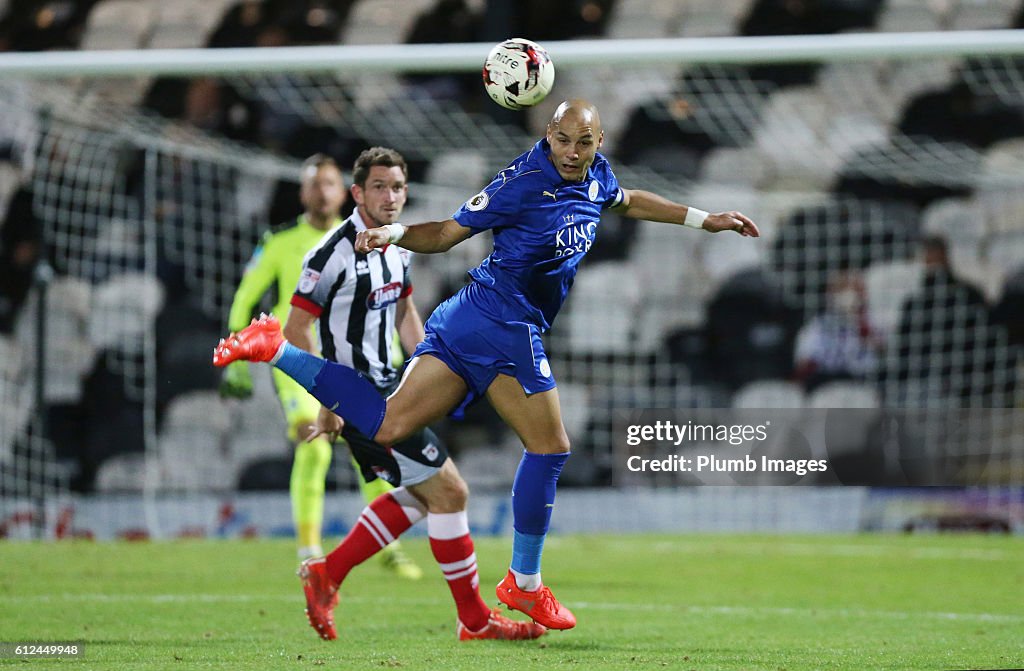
{"x": 385, "y": 156}
{"x": 317, "y": 161}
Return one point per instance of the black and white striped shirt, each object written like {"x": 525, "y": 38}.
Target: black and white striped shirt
{"x": 355, "y": 298}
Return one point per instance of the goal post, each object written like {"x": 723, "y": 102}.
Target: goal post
{"x": 425, "y": 58}
{"x": 150, "y": 220}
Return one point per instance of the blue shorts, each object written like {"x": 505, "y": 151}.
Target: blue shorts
{"x": 478, "y": 336}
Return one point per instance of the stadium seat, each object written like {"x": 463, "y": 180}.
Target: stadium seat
{"x": 644, "y": 19}
{"x": 382, "y": 21}
{"x": 617, "y": 283}
{"x": 196, "y": 412}
{"x": 464, "y": 170}
{"x": 15, "y": 413}
{"x": 855, "y": 88}
{"x": 124, "y": 307}
{"x": 844, "y": 394}
{"x": 119, "y": 24}
{"x": 769, "y": 394}
{"x": 707, "y": 22}
{"x": 791, "y": 133}
{"x": 661, "y": 315}
{"x": 745, "y": 167}
{"x": 961, "y": 222}
{"x": 185, "y": 23}
{"x": 258, "y": 428}
{"x": 980, "y": 16}
{"x": 12, "y": 363}
{"x": 193, "y": 444}
{"x": 123, "y": 473}
{"x": 958, "y": 220}
{"x": 908, "y": 18}
{"x": 904, "y": 81}
{"x": 675, "y": 287}
{"x": 1003, "y": 209}
{"x": 722, "y": 256}
{"x": 69, "y": 353}
{"x": 1002, "y": 156}
{"x": 845, "y": 134}
{"x": 1006, "y": 250}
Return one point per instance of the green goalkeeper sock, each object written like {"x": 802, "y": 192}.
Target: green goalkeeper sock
{"x": 309, "y": 471}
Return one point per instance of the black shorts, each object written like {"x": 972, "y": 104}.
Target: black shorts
{"x": 410, "y": 462}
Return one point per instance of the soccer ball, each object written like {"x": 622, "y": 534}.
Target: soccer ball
{"x": 518, "y": 73}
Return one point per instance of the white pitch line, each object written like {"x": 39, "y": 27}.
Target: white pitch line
{"x": 845, "y": 550}
{"x": 584, "y": 605}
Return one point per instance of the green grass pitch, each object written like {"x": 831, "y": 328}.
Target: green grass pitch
{"x": 643, "y": 602}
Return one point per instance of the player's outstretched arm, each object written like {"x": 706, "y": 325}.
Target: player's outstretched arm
{"x": 648, "y": 206}
{"x": 432, "y": 237}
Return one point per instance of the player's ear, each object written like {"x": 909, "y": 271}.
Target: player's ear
{"x": 357, "y": 193}
{"x": 600, "y": 139}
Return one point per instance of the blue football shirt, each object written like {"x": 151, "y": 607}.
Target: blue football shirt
{"x": 543, "y": 225}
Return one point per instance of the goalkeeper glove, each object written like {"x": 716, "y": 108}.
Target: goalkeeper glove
{"x": 237, "y": 381}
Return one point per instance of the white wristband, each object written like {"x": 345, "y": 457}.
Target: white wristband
{"x": 395, "y": 232}
{"x": 695, "y": 218}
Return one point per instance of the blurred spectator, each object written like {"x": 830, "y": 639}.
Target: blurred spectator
{"x": 21, "y": 240}
{"x": 958, "y": 114}
{"x": 943, "y": 347}
{"x": 206, "y": 103}
{"x": 314, "y": 21}
{"x": 751, "y": 329}
{"x": 802, "y": 17}
{"x": 1009, "y": 311}
{"x": 39, "y": 25}
{"x": 664, "y": 136}
{"x": 304, "y": 21}
{"x": 241, "y": 25}
{"x": 839, "y": 343}
{"x": 545, "y": 20}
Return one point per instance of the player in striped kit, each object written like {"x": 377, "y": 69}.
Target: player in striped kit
{"x": 276, "y": 263}
{"x": 357, "y": 300}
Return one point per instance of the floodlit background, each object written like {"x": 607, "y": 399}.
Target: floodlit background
{"x": 890, "y": 274}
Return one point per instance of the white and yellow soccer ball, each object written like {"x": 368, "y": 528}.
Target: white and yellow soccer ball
{"x": 518, "y": 73}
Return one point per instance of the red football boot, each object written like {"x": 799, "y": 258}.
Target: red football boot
{"x": 541, "y": 605}
{"x": 500, "y": 628}
{"x": 259, "y": 341}
{"x": 321, "y": 597}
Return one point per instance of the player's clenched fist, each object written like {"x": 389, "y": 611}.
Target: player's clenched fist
{"x": 372, "y": 238}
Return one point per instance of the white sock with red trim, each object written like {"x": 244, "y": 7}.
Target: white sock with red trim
{"x": 453, "y": 548}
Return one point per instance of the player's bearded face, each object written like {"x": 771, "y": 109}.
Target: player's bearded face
{"x": 574, "y": 143}
{"x": 383, "y": 196}
{"x": 324, "y": 193}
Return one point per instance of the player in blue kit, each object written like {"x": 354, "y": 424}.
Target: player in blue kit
{"x": 544, "y": 210}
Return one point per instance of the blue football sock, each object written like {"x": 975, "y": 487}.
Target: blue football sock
{"x": 533, "y": 497}
{"x": 299, "y": 364}
{"x": 342, "y": 389}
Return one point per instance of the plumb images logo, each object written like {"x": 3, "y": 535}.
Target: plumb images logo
{"x": 810, "y": 446}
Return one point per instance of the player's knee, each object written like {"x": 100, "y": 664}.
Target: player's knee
{"x": 556, "y": 444}
{"x": 391, "y": 431}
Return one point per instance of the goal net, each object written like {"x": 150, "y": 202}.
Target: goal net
{"x": 887, "y": 282}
